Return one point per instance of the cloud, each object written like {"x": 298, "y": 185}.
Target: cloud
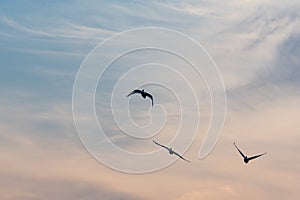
{"x": 222, "y": 192}
{"x": 69, "y": 31}
{"x": 15, "y": 187}
{"x": 286, "y": 66}
{"x": 279, "y": 79}
{"x": 260, "y": 46}
{"x": 266, "y": 25}
{"x": 255, "y": 45}
{"x": 188, "y": 8}
{"x": 13, "y": 24}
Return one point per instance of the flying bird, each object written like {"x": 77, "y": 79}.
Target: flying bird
{"x": 171, "y": 151}
{"x": 246, "y": 159}
{"x": 143, "y": 94}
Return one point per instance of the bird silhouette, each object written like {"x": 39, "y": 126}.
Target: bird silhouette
{"x": 143, "y": 94}
{"x": 171, "y": 151}
{"x": 246, "y": 158}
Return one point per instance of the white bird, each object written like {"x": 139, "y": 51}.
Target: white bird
{"x": 246, "y": 159}
{"x": 143, "y": 94}
{"x": 171, "y": 151}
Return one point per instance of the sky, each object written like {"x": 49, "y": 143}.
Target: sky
{"x": 44, "y": 46}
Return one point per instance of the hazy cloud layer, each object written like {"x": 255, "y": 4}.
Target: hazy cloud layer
{"x": 254, "y": 43}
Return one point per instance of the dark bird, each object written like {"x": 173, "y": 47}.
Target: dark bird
{"x": 143, "y": 94}
{"x": 171, "y": 151}
{"x": 246, "y": 159}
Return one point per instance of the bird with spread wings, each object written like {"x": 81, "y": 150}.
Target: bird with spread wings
{"x": 246, "y": 158}
{"x": 143, "y": 94}
{"x": 171, "y": 151}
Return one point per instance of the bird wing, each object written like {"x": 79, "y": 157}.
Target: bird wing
{"x": 181, "y": 156}
{"x": 239, "y": 150}
{"x": 253, "y": 157}
{"x": 161, "y": 145}
{"x": 150, "y": 96}
{"x": 134, "y": 92}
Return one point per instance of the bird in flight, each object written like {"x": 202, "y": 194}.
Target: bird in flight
{"x": 171, "y": 151}
{"x": 246, "y": 159}
{"x": 143, "y": 94}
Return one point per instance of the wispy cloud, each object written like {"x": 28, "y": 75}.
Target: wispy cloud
{"x": 69, "y": 31}
{"x": 256, "y": 46}
{"x": 190, "y": 9}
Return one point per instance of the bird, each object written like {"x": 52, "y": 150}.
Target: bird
{"x": 246, "y": 158}
{"x": 143, "y": 94}
{"x": 171, "y": 151}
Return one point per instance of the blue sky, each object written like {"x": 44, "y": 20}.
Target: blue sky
{"x": 256, "y": 47}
